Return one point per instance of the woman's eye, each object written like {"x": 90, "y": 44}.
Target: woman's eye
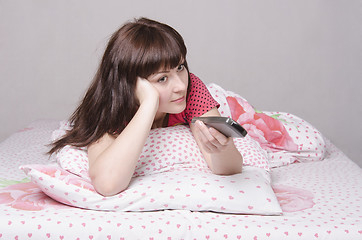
{"x": 163, "y": 79}
{"x": 180, "y": 67}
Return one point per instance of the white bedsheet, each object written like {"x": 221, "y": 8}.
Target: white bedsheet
{"x": 320, "y": 200}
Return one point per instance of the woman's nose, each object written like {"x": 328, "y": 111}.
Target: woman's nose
{"x": 180, "y": 84}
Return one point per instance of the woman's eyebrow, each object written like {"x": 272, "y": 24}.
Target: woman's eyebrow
{"x": 160, "y": 72}
{"x": 163, "y": 71}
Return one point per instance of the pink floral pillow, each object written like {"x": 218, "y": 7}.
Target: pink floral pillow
{"x": 311, "y": 145}
{"x": 246, "y": 193}
{"x": 285, "y": 137}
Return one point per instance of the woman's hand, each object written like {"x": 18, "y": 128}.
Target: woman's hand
{"x": 112, "y": 160}
{"x": 145, "y": 91}
{"x": 212, "y": 140}
{"x": 219, "y": 151}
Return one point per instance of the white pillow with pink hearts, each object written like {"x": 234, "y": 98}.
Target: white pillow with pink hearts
{"x": 171, "y": 173}
{"x": 165, "y": 149}
{"x": 245, "y": 193}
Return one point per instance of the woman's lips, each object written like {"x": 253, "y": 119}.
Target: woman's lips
{"x": 181, "y": 99}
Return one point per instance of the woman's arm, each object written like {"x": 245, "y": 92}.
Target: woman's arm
{"x": 112, "y": 160}
{"x": 219, "y": 151}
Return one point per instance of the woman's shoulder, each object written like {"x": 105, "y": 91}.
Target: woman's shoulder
{"x": 194, "y": 78}
{"x": 197, "y": 86}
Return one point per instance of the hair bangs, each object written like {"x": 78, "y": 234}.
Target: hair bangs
{"x": 162, "y": 52}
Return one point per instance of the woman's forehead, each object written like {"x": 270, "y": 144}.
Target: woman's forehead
{"x": 167, "y": 66}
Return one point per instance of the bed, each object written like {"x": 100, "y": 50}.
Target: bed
{"x": 315, "y": 195}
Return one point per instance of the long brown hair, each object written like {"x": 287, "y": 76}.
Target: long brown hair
{"x": 137, "y": 49}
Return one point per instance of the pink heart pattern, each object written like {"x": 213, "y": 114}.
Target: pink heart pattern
{"x": 249, "y": 192}
{"x": 335, "y": 213}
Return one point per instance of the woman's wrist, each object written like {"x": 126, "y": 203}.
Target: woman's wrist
{"x": 151, "y": 104}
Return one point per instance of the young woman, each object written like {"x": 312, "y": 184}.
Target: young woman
{"x": 142, "y": 83}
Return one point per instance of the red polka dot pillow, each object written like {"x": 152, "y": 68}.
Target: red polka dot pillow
{"x": 171, "y": 174}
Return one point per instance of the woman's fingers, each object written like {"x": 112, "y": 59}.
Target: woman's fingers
{"x": 145, "y": 90}
{"x": 213, "y": 140}
{"x": 222, "y": 139}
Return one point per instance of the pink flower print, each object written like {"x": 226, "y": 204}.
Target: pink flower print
{"x": 47, "y": 169}
{"x": 268, "y": 131}
{"x": 293, "y": 199}
{"x": 65, "y": 176}
{"x": 27, "y": 196}
{"x": 81, "y": 183}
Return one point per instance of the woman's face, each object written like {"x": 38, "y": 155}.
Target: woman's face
{"x": 171, "y": 85}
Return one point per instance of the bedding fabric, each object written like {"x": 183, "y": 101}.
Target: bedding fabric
{"x": 320, "y": 200}
{"x": 296, "y": 185}
{"x": 170, "y": 174}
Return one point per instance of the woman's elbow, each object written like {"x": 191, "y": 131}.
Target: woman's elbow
{"x": 227, "y": 172}
{"x": 106, "y": 187}
{"x": 224, "y": 169}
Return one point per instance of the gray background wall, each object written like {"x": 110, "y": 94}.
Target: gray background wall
{"x": 301, "y": 56}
